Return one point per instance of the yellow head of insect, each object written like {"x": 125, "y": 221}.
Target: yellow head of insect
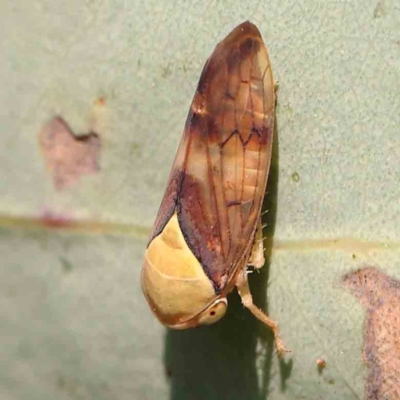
{"x": 175, "y": 284}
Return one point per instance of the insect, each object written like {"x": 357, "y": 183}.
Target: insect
{"x": 208, "y": 228}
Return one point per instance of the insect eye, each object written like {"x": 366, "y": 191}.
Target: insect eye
{"x": 213, "y": 313}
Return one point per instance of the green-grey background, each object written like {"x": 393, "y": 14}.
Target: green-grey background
{"x": 74, "y": 324}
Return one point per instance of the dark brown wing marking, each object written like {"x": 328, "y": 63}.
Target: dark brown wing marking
{"x": 219, "y": 177}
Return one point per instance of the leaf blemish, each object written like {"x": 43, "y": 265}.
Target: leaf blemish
{"x": 55, "y": 221}
{"x": 295, "y": 177}
{"x": 67, "y": 156}
{"x": 380, "y": 295}
{"x": 321, "y": 364}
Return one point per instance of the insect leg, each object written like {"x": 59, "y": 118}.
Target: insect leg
{"x": 243, "y": 288}
{"x": 257, "y": 259}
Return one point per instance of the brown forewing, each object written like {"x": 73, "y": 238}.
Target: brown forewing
{"x": 219, "y": 176}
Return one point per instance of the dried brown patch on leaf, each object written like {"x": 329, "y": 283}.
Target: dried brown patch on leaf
{"x": 55, "y": 221}
{"x": 321, "y": 364}
{"x": 380, "y": 294}
{"x": 68, "y": 156}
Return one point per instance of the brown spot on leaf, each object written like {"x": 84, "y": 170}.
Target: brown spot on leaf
{"x": 321, "y": 364}
{"x": 101, "y": 101}
{"x": 55, "y": 221}
{"x": 380, "y": 294}
{"x": 68, "y": 156}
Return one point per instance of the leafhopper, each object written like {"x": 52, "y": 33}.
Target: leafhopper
{"x": 208, "y": 228}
